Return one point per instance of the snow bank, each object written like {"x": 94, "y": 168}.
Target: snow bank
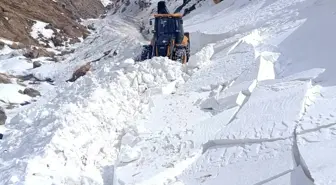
{"x": 75, "y": 133}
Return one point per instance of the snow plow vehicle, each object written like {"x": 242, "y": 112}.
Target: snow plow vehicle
{"x": 169, "y": 39}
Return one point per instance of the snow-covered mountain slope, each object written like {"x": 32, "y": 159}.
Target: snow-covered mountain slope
{"x": 254, "y": 105}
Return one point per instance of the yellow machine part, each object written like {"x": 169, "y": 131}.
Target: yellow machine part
{"x": 168, "y": 15}
{"x": 185, "y": 41}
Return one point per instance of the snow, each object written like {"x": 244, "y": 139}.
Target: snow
{"x": 39, "y": 28}
{"x": 9, "y": 93}
{"x": 106, "y": 2}
{"x": 15, "y": 65}
{"x": 321, "y": 164}
{"x": 254, "y": 105}
{"x": 6, "y": 50}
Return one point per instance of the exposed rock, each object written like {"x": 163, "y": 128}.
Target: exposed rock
{"x": 57, "y": 40}
{"x": 33, "y": 78}
{"x": 84, "y": 8}
{"x": 74, "y": 40}
{"x": 85, "y": 35}
{"x": 65, "y": 52}
{"x": 5, "y": 79}
{"x": 3, "y": 116}
{"x": 109, "y": 7}
{"x": 91, "y": 27}
{"x": 30, "y": 92}
{"x": 17, "y": 45}
{"x": 38, "y": 52}
{"x": 217, "y": 1}
{"x": 143, "y": 4}
{"x": 37, "y": 64}
{"x": 25, "y": 103}
{"x": 80, "y": 72}
{"x": 2, "y": 45}
{"x": 103, "y": 16}
{"x": 11, "y": 106}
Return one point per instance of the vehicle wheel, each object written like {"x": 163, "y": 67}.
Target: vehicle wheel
{"x": 181, "y": 55}
{"x": 188, "y": 51}
{"x": 146, "y": 52}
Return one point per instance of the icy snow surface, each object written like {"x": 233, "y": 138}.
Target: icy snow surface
{"x": 255, "y": 105}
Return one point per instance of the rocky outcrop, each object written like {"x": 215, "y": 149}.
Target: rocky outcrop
{"x": 37, "y": 64}
{"x": 2, "y": 45}
{"x": 34, "y": 52}
{"x": 3, "y": 116}
{"x": 30, "y": 92}
{"x": 83, "y": 8}
{"x": 5, "y": 79}
{"x": 80, "y": 72}
{"x": 18, "y": 16}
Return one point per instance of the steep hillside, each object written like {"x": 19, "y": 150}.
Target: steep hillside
{"x": 255, "y": 105}
{"x": 56, "y": 20}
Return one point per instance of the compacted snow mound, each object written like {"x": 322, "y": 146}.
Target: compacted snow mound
{"x": 87, "y": 120}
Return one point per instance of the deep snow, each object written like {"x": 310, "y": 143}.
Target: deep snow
{"x": 255, "y": 104}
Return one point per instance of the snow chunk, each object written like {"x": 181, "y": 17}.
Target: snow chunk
{"x": 202, "y": 57}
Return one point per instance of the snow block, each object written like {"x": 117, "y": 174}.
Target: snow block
{"x": 266, "y": 65}
{"x": 271, "y": 112}
{"x": 317, "y": 149}
{"x": 292, "y": 177}
{"x": 224, "y": 98}
{"x": 240, "y": 164}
